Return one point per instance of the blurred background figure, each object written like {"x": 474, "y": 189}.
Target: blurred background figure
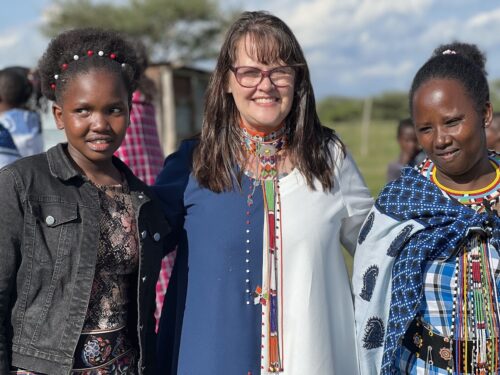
{"x": 8, "y": 150}
{"x": 141, "y": 151}
{"x": 493, "y": 133}
{"x": 23, "y": 123}
{"x": 409, "y": 149}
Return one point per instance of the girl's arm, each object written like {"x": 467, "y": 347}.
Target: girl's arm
{"x": 11, "y": 226}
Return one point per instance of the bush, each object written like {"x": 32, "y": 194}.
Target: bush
{"x": 339, "y": 109}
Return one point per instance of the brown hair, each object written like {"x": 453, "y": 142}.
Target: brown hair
{"x": 220, "y": 151}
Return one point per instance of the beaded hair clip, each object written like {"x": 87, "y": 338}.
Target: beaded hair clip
{"x": 89, "y": 53}
{"x": 449, "y": 52}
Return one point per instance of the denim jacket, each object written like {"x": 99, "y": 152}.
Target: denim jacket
{"x": 49, "y": 233}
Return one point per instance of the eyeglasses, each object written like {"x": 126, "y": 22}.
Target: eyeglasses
{"x": 251, "y": 77}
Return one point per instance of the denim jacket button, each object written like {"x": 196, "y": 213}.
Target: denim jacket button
{"x": 156, "y": 236}
{"x": 50, "y": 220}
{"x": 140, "y": 196}
{"x": 144, "y": 234}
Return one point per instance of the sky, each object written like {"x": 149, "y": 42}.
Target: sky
{"x": 353, "y": 47}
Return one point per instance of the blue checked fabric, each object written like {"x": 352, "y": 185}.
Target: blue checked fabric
{"x": 445, "y": 221}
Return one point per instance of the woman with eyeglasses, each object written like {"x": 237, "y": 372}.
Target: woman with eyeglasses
{"x": 260, "y": 204}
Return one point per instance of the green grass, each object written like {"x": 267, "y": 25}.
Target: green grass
{"x": 382, "y": 149}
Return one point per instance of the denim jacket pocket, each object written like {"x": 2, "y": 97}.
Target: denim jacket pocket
{"x": 54, "y": 228}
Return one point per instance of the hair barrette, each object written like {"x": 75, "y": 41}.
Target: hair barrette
{"x": 89, "y": 53}
{"x": 449, "y": 52}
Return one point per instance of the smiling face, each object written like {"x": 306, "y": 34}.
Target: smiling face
{"x": 264, "y": 107}
{"x": 94, "y": 113}
{"x": 451, "y": 131}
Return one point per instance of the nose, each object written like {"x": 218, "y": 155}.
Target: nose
{"x": 266, "y": 84}
{"x": 99, "y": 122}
{"x": 442, "y": 138}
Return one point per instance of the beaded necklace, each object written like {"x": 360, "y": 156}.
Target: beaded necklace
{"x": 475, "y": 314}
{"x": 265, "y": 149}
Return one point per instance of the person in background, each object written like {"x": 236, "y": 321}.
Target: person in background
{"x": 427, "y": 269}
{"x": 409, "y": 149}
{"x": 8, "y": 150}
{"x": 23, "y": 124}
{"x": 260, "y": 204}
{"x": 493, "y": 133}
{"x": 141, "y": 151}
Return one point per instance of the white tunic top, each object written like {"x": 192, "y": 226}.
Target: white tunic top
{"x": 319, "y": 330}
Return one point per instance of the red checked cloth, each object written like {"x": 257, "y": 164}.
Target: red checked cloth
{"x": 141, "y": 151}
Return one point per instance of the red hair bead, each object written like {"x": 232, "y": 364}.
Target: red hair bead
{"x": 90, "y": 53}
{"x": 112, "y": 56}
{"x": 53, "y": 86}
{"x": 64, "y": 66}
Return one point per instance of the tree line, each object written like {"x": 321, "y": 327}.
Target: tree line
{"x": 387, "y": 106}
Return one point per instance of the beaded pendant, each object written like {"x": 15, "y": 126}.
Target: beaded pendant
{"x": 265, "y": 149}
{"x": 476, "y": 311}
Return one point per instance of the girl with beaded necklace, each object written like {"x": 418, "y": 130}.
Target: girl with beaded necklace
{"x": 259, "y": 205}
{"x": 426, "y": 272}
{"x": 81, "y": 237}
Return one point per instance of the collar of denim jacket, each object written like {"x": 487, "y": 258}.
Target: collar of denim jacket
{"x": 61, "y": 167}
{"x": 59, "y": 163}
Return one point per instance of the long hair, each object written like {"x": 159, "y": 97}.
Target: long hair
{"x": 220, "y": 151}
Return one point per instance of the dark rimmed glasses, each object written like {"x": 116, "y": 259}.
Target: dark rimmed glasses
{"x": 250, "y": 77}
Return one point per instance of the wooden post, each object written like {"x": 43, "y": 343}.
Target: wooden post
{"x": 365, "y": 125}
{"x": 169, "y": 135}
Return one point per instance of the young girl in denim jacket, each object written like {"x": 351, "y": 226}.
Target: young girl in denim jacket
{"x": 81, "y": 237}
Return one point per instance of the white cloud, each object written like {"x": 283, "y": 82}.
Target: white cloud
{"x": 8, "y": 40}
{"x": 317, "y": 22}
{"x": 386, "y": 69}
{"x": 486, "y": 19}
{"x": 370, "y": 11}
{"x": 24, "y": 46}
{"x": 438, "y": 32}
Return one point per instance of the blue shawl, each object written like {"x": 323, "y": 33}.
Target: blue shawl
{"x": 446, "y": 223}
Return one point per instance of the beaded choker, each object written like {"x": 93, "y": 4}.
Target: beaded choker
{"x": 484, "y": 190}
{"x": 473, "y": 198}
{"x": 265, "y": 149}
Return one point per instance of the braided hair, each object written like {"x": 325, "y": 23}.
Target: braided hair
{"x": 81, "y": 50}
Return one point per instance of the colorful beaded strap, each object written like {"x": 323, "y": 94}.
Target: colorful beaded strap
{"x": 266, "y": 148}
